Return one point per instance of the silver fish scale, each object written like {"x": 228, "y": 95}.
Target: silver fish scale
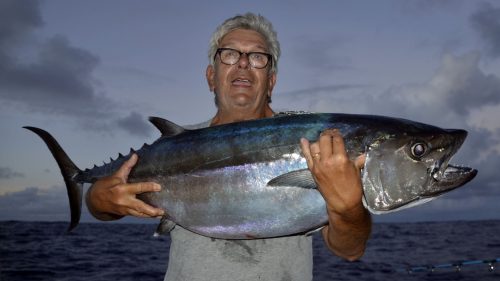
{"x": 234, "y": 202}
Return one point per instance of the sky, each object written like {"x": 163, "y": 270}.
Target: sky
{"x": 91, "y": 72}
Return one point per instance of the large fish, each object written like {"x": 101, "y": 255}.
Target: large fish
{"x": 249, "y": 180}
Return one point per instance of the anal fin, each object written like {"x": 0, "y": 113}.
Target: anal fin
{"x": 164, "y": 227}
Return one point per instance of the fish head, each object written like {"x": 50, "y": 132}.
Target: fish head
{"x": 407, "y": 169}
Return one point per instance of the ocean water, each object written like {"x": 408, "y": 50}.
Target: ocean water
{"x": 114, "y": 251}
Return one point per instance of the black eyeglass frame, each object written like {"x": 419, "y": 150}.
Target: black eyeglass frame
{"x": 269, "y": 56}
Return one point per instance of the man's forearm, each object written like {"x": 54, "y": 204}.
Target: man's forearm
{"x": 346, "y": 236}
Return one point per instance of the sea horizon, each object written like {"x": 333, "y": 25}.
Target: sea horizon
{"x": 33, "y": 250}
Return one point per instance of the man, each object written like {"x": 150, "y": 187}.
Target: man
{"x": 243, "y": 55}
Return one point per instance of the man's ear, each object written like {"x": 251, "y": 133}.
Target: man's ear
{"x": 272, "y": 82}
{"x": 210, "y": 74}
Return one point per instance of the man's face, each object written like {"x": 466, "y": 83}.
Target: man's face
{"x": 241, "y": 87}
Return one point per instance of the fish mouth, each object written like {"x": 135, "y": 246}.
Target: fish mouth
{"x": 449, "y": 177}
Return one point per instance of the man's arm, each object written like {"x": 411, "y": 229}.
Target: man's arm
{"x": 347, "y": 236}
{"x": 338, "y": 179}
{"x": 112, "y": 198}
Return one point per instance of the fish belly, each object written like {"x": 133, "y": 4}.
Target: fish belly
{"x": 236, "y": 202}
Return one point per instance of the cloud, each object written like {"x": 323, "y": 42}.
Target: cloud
{"x": 60, "y": 81}
{"x": 328, "y": 98}
{"x": 426, "y": 6}
{"x": 457, "y": 89}
{"x": 37, "y": 204}
{"x": 316, "y": 92}
{"x": 486, "y": 21}
{"x": 458, "y": 86}
{"x": 33, "y": 203}
{"x": 134, "y": 124}
{"x": 16, "y": 20}
{"x": 321, "y": 55}
{"x": 57, "y": 78}
{"x": 7, "y": 173}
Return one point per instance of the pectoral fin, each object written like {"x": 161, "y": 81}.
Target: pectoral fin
{"x": 300, "y": 178}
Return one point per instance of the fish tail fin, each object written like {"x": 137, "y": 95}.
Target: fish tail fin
{"x": 68, "y": 170}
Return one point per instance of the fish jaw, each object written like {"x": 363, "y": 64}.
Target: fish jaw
{"x": 452, "y": 177}
{"x": 446, "y": 177}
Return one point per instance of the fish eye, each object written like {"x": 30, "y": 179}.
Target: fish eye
{"x": 418, "y": 149}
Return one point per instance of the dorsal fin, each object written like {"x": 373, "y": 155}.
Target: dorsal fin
{"x": 167, "y": 128}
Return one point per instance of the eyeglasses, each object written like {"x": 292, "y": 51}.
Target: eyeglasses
{"x": 231, "y": 56}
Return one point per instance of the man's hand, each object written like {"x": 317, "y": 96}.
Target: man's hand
{"x": 339, "y": 181}
{"x": 112, "y": 197}
{"x": 338, "y": 177}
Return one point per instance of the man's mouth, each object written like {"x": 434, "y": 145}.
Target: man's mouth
{"x": 241, "y": 82}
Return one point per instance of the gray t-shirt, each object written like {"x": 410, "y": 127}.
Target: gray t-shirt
{"x": 195, "y": 257}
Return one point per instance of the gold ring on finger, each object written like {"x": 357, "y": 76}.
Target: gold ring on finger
{"x": 315, "y": 155}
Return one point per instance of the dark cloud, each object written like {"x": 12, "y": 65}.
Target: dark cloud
{"x": 37, "y": 204}
{"x": 17, "y": 19}
{"x": 315, "y": 92}
{"x": 487, "y": 182}
{"x": 321, "y": 55}
{"x": 60, "y": 81}
{"x": 457, "y": 88}
{"x": 486, "y": 21}
{"x": 7, "y": 173}
{"x": 339, "y": 98}
{"x": 33, "y": 203}
{"x": 135, "y": 124}
{"x": 425, "y": 6}
{"x": 57, "y": 79}
{"x": 463, "y": 85}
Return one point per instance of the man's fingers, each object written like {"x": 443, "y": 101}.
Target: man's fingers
{"x": 325, "y": 143}
{"x": 141, "y": 187}
{"x": 139, "y": 214}
{"x": 124, "y": 170}
{"x": 137, "y": 207}
{"x": 338, "y": 143}
{"x": 304, "y": 145}
{"x": 316, "y": 152}
{"x": 144, "y": 210}
{"x": 359, "y": 162}
{"x": 136, "y": 213}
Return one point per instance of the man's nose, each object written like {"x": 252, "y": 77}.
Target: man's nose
{"x": 243, "y": 62}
